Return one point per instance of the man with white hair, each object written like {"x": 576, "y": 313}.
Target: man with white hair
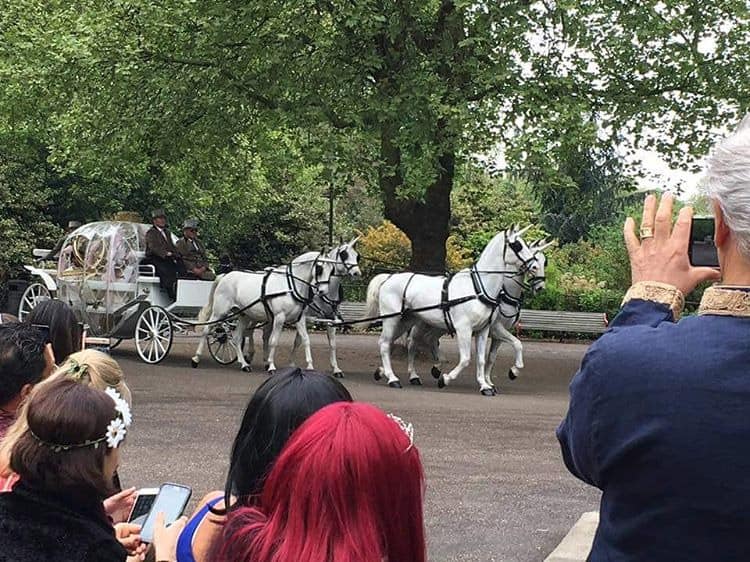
{"x": 659, "y": 415}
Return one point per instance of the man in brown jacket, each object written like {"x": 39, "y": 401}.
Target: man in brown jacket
{"x": 193, "y": 252}
{"x": 161, "y": 251}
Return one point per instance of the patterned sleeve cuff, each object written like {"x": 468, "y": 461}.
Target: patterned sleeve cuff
{"x": 657, "y": 292}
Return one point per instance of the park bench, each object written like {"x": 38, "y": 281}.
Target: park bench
{"x": 557, "y": 321}
{"x": 531, "y": 320}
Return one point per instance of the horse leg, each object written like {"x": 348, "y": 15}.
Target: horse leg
{"x": 302, "y": 333}
{"x": 295, "y": 346}
{"x": 437, "y": 356}
{"x": 267, "y": 327}
{"x": 250, "y": 333}
{"x": 392, "y": 329}
{"x": 273, "y": 340}
{"x": 481, "y": 342}
{"x": 494, "y": 347}
{"x": 195, "y": 359}
{"x": 515, "y": 370}
{"x": 331, "y": 334}
{"x": 237, "y": 337}
{"x": 463, "y": 337}
{"x": 411, "y": 350}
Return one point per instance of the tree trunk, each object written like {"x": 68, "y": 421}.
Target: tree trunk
{"x": 425, "y": 222}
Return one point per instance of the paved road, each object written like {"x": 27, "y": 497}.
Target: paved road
{"x": 496, "y": 487}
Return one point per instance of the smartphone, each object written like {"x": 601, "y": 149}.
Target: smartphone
{"x": 144, "y": 500}
{"x": 171, "y": 501}
{"x": 702, "y": 250}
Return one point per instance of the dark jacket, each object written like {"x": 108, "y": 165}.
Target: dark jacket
{"x": 158, "y": 245}
{"x": 659, "y": 420}
{"x": 191, "y": 256}
{"x": 43, "y": 527}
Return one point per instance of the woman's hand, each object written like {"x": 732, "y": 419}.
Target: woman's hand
{"x": 129, "y": 537}
{"x": 661, "y": 253}
{"x": 165, "y": 538}
{"x": 118, "y": 506}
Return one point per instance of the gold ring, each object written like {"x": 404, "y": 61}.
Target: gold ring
{"x": 647, "y": 232}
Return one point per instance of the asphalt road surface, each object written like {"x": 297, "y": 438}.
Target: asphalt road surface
{"x": 497, "y": 489}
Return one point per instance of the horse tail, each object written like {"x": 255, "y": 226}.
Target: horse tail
{"x": 205, "y": 312}
{"x": 373, "y": 294}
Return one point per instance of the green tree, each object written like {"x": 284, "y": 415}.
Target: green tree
{"x": 402, "y": 91}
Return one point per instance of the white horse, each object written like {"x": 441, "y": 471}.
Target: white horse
{"x": 328, "y": 296}
{"x": 505, "y": 319}
{"x": 464, "y": 304}
{"x": 278, "y": 296}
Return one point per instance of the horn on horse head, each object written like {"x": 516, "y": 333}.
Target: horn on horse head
{"x": 354, "y": 240}
{"x": 545, "y": 245}
{"x": 523, "y": 230}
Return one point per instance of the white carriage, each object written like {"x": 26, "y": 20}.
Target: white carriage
{"x": 101, "y": 272}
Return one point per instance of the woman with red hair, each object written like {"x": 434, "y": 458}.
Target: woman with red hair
{"x": 347, "y": 487}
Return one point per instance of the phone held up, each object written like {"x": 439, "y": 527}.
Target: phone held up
{"x": 171, "y": 501}
{"x": 702, "y": 250}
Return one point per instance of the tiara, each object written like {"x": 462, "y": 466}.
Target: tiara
{"x": 116, "y": 430}
{"x": 406, "y": 427}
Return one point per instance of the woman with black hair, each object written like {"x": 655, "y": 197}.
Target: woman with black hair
{"x": 65, "y": 332}
{"x": 280, "y": 405}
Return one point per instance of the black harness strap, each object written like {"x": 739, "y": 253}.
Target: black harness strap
{"x": 404, "y": 310}
{"x": 445, "y": 305}
{"x": 264, "y": 298}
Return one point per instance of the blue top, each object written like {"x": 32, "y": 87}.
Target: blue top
{"x": 659, "y": 420}
{"x": 185, "y": 541}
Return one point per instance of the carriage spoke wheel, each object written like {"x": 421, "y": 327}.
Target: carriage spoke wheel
{"x": 32, "y": 296}
{"x": 221, "y": 344}
{"x": 153, "y": 334}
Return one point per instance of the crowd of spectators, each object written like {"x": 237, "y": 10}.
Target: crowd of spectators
{"x": 656, "y": 421}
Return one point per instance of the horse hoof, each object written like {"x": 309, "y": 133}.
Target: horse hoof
{"x": 193, "y": 363}
{"x": 511, "y": 375}
{"x": 378, "y": 374}
{"x": 266, "y": 366}
{"x": 338, "y": 375}
{"x": 395, "y": 384}
{"x": 272, "y": 372}
{"x": 436, "y": 372}
{"x": 487, "y": 392}
{"x": 416, "y": 381}
{"x": 246, "y": 368}
{"x": 494, "y": 390}
{"x": 441, "y": 382}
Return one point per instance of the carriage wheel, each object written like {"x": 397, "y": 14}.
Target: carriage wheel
{"x": 221, "y": 344}
{"x": 153, "y": 334}
{"x": 32, "y": 296}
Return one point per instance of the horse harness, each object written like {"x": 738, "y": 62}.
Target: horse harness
{"x": 493, "y": 302}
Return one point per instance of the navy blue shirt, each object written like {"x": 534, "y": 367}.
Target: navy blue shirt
{"x": 659, "y": 420}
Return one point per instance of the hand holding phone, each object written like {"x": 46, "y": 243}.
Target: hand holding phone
{"x": 170, "y": 502}
{"x": 166, "y": 537}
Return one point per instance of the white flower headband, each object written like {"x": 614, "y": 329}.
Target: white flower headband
{"x": 406, "y": 427}
{"x": 116, "y": 430}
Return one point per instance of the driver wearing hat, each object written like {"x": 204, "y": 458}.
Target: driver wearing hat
{"x": 193, "y": 252}
{"x": 162, "y": 253}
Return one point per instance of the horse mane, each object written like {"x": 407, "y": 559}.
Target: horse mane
{"x": 491, "y": 249}
{"x": 307, "y": 256}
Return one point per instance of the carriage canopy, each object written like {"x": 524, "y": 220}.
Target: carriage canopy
{"x": 98, "y": 271}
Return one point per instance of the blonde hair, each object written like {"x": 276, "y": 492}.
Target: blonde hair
{"x": 90, "y": 367}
